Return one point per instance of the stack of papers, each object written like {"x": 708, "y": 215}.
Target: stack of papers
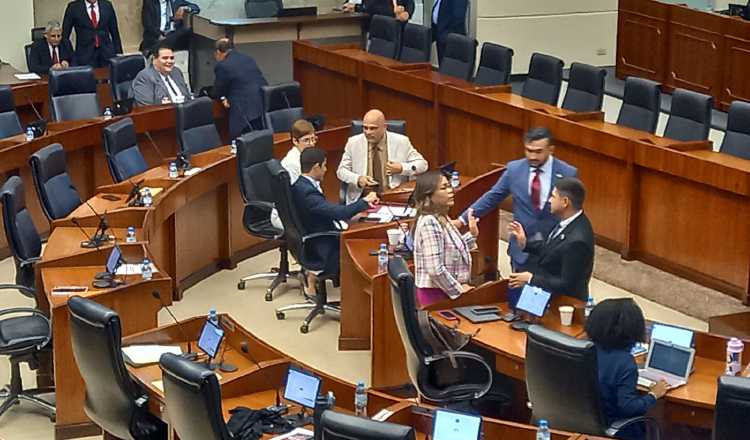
{"x": 138, "y": 355}
{"x": 27, "y": 76}
{"x": 297, "y": 434}
{"x": 192, "y": 171}
{"x": 386, "y": 213}
{"x": 133, "y": 269}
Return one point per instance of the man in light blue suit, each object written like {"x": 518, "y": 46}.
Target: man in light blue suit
{"x": 530, "y": 181}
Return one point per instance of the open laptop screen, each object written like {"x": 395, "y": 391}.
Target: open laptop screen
{"x": 669, "y": 359}
{"x": 674, "y": 335}
{"x": 452, "y": 425}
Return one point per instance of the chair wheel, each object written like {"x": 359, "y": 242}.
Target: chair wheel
{"x": 280, "y": 315}
{"x": 241, "y": 285}
{"x": 52, "y": 418}
{"x": 303, "y": 328}
{"x": 269, "y": 296}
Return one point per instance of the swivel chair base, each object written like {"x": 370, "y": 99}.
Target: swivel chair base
{"x": 14, "y": 393}
{"x": 278, "y": 275}
{"x": 318, "y": 305}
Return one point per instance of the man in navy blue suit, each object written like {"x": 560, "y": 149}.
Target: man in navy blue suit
{"x": 448, "y": 17}
{"x": 238, "y": 82}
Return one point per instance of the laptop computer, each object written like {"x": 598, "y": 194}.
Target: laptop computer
{"x": 453, "y": 425}
{"x": 122, "y": 107}
{"x": 666, "y": 361}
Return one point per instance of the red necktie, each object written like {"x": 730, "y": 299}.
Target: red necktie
{"x": 55, "y": 58}
{"x": 95, "y": 23}
{"x": 536, "y": 189}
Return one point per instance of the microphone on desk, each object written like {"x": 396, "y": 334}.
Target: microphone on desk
{"x": 189, "y": 355}
{"x": 100, "y": 235}
{"x": 245, "y": 348}
{"x": 40, "y": 125}
{"x": 86, "y": 244}
{"x": 134, "y": 196}
{"x": 153, "y": 144}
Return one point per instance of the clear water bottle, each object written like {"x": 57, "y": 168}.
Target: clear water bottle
{"x": 383, "y": 258}
{"x": 331, "y": 400}
{"x": 147, "y": 198}
{"x": 455, "y": 181}
{"x": 360, "y": 400}
{"x": 107, "y": 113}
{"x": 233, "y": 147}
{"x": 589, "y": 307}
{"x": 173, "y": 170}
{"x": 542, "y": 432}
{"x": 213, "y": 316}
{"x": 734, "y": 357}
{"x": 146, "y": 271}
{"x": 29, "y": 134}
{"x": 130, "y": 238}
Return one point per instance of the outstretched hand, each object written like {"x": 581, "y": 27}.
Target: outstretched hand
{"x": 473, "y": 223}
{"x": 515, "y": 228}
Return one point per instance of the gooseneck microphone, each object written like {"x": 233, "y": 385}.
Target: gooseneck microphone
{"x": 153, "y": 144}
{"x": 189, "y": 355}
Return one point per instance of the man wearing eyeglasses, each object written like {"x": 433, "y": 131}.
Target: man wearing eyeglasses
{"x": 303, "y": 136}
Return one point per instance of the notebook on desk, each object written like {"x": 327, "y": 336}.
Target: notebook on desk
{"x": 669, "y": 362}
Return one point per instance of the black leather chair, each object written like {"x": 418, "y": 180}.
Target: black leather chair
{"x": 338, "y": 426}
{"x": 302, "y": 246}
{"x": 20, "y": 232}
{"x": 72, "y": 94}
{"x": 10, "y": 125}
{"x": 114, "y": 401}
{"x": 737, "y": 137}
{"x": 459, "y": 57}
{"x": 122, "y": 72}
{"x": 196, "y": 131}
{"x": 253, "y": 150}
{"x": 193, "y": 399}
{"x": 690, "y": 116}
{"x": 124, "y": 157}
{"x": 420, "y": 357}
{"x": 732, "y": 406}
{"x": 282, "y": 104}
{"x": 385, "y": 36}
{"x": 263, "y": 8}
{"x": 585, "y": 88}
{"x": 495, "y": 65}
{"x": 37, "y": 33}
{"x": 56, "y": 192}
{"x": 416, "y": 44}
{"x": 544, "y": 79}
{"x": 27, "y": 53}
{"x": 641, "y": 104}
{"x": 568, "y": 396}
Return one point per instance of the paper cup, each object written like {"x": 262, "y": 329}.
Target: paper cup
{"x": 394, "y": 236}
{"x": 566, "y": 315}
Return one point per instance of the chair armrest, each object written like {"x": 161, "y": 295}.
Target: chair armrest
{"x": 29, "y": 261}
{"x": 619, "y": 425}
{"x": 31, "y": 311}
{"x": 450, "y": 355}
{"x": 334, "y": 234}
{"x": 308, "y": 260}
{"x": 26, "y": 291}
{"x": 267, "y": 206}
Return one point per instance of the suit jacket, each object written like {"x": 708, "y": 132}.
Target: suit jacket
{"x": 565, "y": 262}
{"x": 618, "y": 378}
{"x": 149, "y": 88}
{"x": 239, "y": 79}
{"x": 451, "y": 19}
{"x": 40, "y": 59}
{"x": 515, "y": 182}
{"x": 77, "y": 17}
{"x": 151, "y": 18}
{"x": 385, "y": 7}
{"x": 356, "y": 154}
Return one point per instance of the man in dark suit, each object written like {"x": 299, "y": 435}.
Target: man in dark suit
{"x": 401, "y": 10}
{"x": 238, "y": 82}
{"x": 165, "y": 19}
{"x": 448, "y": 17}
{"x": 51, "y": 52}
{"x": 317, "y": 213}
{"x": 566, "y": 256}
{"x": 97, "y": 35}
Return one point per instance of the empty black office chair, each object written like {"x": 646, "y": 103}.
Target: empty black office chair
{"x": 263, "y": 8}
{"x": 56, "y": 192}
{"x": 585, "y": 88}
{"x": 737, "y": 137}
{"x": 459, "y": 57}
{"x": 124, "y": 157}
{"x": 114, "y": 401}
{"x": 732, "y": 406}
{"x": 193, "y": 399}
{"x": 495, "y": 65}
{"x": 20, "y": 232}
{"x": 10, "y": 125}
{"x": 385, "y": 36}
{"x": 690, "y": 116}
{"x": 282, "y": 104}
{"x": 544, "y": 79}
{"x": 416, "y": 44}
{"x": 421, "y": 360}
{"x": 196, "y": 131}
{"x": 122, "y": 72}
{"x": 567, "y": 396}
{"x": 253, "y": 150}
{"x": 303, "y": 247}
{"x": 72, "y": 94}
{"x": 641, "y": 104}
{"x": 338, "y": 426}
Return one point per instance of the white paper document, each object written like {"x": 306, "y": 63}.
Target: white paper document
{"x": 297, "y": 434}
{"x": 133, "y": 269}
{"x": 26, "y": 76}
{"x": 148, "y": 354}
{"x": 192, "y": 171}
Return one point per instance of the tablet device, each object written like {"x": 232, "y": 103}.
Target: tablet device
{"x": 453, "y": 425}
{"x": 533, "y": 300}
{"x": 674, "y": 335}
{"x": 114, "y": 260}
{"x": 301, "y": 387}
{"x": 210, "y": 339}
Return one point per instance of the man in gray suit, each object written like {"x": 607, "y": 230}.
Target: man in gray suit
{"x": 161, "y": 82}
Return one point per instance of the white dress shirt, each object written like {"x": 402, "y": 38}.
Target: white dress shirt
{"x": 291, "y": 164}
{"x": 96, "y": 8}
{"x": 314, "y": 182}
{"x": 175, "y": 95}
{"x": 564, "y": 224}
{"x": 166, "y": 24}
{"x": 545, "y": 178}
{"x": 52, "y": 50}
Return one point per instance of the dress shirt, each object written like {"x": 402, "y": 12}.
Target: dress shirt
{"x": 545, "y": 178}
{"x": 174, "y": 91}
{"x": 314, "y": 182}
{"x": 96, "y": 8}
{"x": 436, "y": 11}
{"x": 166, "y": 15}
{"x": 291, "y": 164}
{"x": 563, "y": 224}
{"x": 52, "y": 51}
{"x": 382, "y": 150}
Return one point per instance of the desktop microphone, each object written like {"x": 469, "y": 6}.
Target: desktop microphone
{"x": 89, "y": 243}
{"x": 99, "y": 236}
{"x": 40, "y": 125}
{"x": 153, "y": 144}
{"x": 134, "y": 196}
{"x": 189, "y": 355}
{"x": 244, "y": 116}
{"x": 245, "y": 348}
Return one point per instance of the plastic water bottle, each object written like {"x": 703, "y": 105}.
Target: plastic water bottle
{"x": 173, "y": 170}
{"x": 542, "y": 432}
{"x": 360, "y": 400}
{"x": 146, "y": 197}
{"x": 455, "y": 181}
{"x": 734, "y": 357}
{"x": 213, "y": 316}
{"x": 332, "y": 400}
{"x": 146, "y": 272}
{"x": 29, "y": 134}
{"x": 107, "y": 113}
{"x": 130, "y": 238}
{"x": 233, "y": 147}
{"x": 383, "y": 258}
{"x": 589, "y": 307}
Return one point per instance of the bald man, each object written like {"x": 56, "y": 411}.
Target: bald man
{"x": 377, "y": 159}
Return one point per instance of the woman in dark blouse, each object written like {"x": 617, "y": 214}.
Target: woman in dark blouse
{"x": 614, "y": 326}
